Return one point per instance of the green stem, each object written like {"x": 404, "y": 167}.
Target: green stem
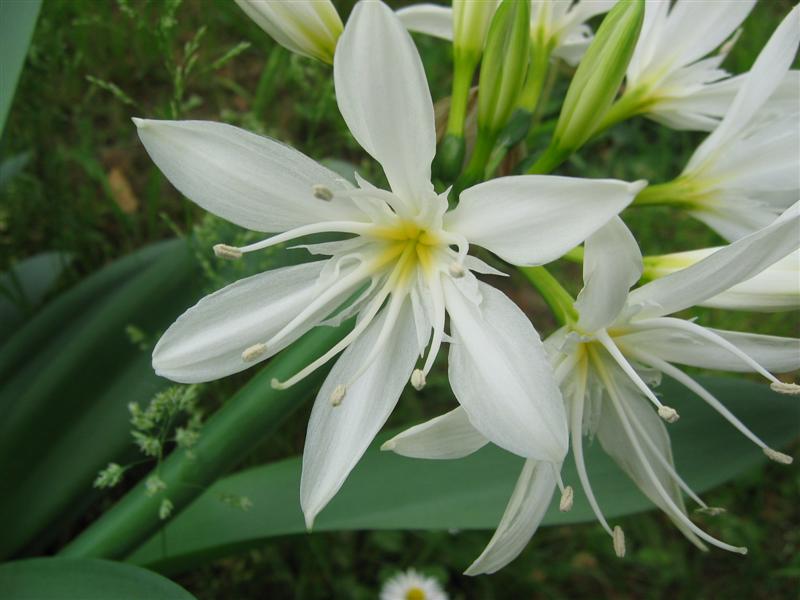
{"x": 459, "y": 98}
{"x": 476, "y": 169}
{"x": 534, "y": 81}
{"x": 631, "y": 103}
{"x": 677, "y": 191}
{"x": 253, "y": 413}
{"x": 548, "y": 161}
{"x": 558, "y": 299}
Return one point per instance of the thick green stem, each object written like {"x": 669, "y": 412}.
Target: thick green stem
{"x": 476, "y": 169}
{"x": 240, "y": 425}
{"x": 631, "y": 103}
{"x": 462, "y": 82}
{"x": 548, "y": 161}
{"x": 558, "y": 299}
{"x": 678, "y": 191}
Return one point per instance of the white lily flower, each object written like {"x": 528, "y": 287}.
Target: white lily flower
{"x": 307, "y": 27}
{"x": 776, "y": 288}
{"x": 603, "y": 363}
{"x": 404, "y": 268}
{"x": 411, "y": 585}
{"x": 557, "y": 24}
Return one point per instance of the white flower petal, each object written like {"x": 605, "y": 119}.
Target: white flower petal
{"x": 612, "y": 264}
{"x": 763, "y": 79}
{"x": 431, "y": 19}
{"x": 535, "y": 219}
{"x": 525, "y": 510}
{"x": 501, "y": 376}
{"x": 384, "y": 98}
{"x": 728, "y": 266}
{"x": 207, "y": 341}
{"x": 338, "y": 435}
{"x": 450, "y": 435}
{"x": 247, "y": 179}
{"x": 774, "y": 353}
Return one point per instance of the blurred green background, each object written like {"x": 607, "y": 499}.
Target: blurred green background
{"x": 90, "y": 191}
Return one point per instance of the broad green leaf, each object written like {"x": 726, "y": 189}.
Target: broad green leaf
{"x": 391, "y": 492}
{"x": 64, "y": 408}
{"x": 84, "y": 579}
{"x": 24, "y": 286}
{"x": 17, "y": 20}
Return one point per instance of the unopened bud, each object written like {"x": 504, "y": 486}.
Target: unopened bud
{"x": 619, "y": 541}
{"x": 565, "y": 505}
{"x": 418, "y": 379}
{"x": 253, "y": 352}
{"x": 669, "y": 414}
{"x": 778, "y": 457}
{"x": 338, "y": 395}
{"x": 227, "y": 252}
{"x": 322, "y": 192}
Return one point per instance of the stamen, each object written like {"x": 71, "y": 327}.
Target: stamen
{"x": 354, "y": 227}
{"x": 418, "y": 379}
{"x": 338, "y": 395}
{"x": 565, "y": 505}
{"x": 778, "y": 457}
{"x": 782, "y": 387}
{"x": 253, "y": 352}
{"x": 322, "y": 192}
{"x": 619, "y": 541}
{"x": 607, "y": 343}
{"x": 669, "y": 414}
{"x": 227, "y": 252}
{"x": 437, "y": 301}
{"x": 711, "y": 511}
{"x": 456, "y": 270}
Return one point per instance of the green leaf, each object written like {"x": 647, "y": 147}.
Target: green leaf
{"x": 17, "y": 20}
{"x": 387, "y": 491}
{"x": 84, "y": 579}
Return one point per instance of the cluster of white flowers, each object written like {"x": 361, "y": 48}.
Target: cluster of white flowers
{"x": 402, "y": 266}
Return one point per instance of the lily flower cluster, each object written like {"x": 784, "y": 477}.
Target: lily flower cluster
{"x": 402, "y": 267}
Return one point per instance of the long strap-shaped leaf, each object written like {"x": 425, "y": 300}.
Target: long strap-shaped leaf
{"x": 391, "y": 492}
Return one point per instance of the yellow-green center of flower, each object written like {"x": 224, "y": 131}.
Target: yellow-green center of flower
{"x": 409, "y": 247}
{"x": 415, "y": 593}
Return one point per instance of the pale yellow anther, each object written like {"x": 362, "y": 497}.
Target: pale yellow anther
{"x": 338, "y": 395}
{"x": 227, "y": 252}
{"x": 782, "y": 387}
{"x": 418, "y": 380}
{"x": 711, "y": 511}
{"x": 565, "y": 505}
{"x": 619, "y": 541}
{"x": 253, "y": 352}
{"x": 456, "y": 270}
{"x": 322, "y": 192}
{"x": 669, "y": 414}
{"x": 778, "y": 457}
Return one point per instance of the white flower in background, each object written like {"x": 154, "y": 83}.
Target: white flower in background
{"x": 603, "y": 364}
{"x": 404, "y": 268}
{"x": 776, "y": 288}
{"x": 411, "y": 585}
{"x": 559, "y": 25}
{"x": 748, "y": 170}
{"x": 307, "y": 27}
{"x": 668, "y": 79}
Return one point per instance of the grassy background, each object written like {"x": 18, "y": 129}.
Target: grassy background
{"x": 90, "y": 190}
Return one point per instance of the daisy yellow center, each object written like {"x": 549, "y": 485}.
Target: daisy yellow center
{"x": 409, "y": 246}
{"x": 415, "y": 593}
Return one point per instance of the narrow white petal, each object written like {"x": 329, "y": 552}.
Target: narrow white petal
{"x": 525, "y": 510}
{"x": 501, "y": 376}
{"x": 612, "y": 263}
{"x": 207, "y": 341}
{"x": 384, "y": 98}
{"x": 337, "y": 436}
{"x": 247, "y": 179}
{"x": 450, "y": 435}
{"x": 535, "y": 219}
{"x": 763, "y": 79}
{"x": 431, "y": 19}
{"x": 727, "y": 267}
{"x": 774, "y": 353}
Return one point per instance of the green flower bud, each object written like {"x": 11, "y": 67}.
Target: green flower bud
{"x": 595, "y": 83}
{"x": 470, "y": 23}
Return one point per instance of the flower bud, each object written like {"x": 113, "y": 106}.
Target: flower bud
{"x": 470, "y": 23}
{"x": 307, "y": 27}
{"x": 595, "y": 83}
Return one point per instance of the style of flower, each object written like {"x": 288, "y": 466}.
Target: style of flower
{"x": 558, "y": 25}
{"x": 411, "y": 585}
{"x": 776, "y": 288}
{"x": 404, "y": 268}
{"x": 606, "y": 362}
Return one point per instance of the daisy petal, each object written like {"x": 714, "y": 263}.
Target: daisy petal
{"x": 337, "y": 436}
{"x": 500, "y": 375}
{"x": 244, "y": 178}
{"x": 535, "y": 219}
{"x": 450, "y": 435}
{"x": 525, "y": 510}
{"x": 384, "y": 98}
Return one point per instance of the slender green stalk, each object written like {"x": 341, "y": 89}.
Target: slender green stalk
{"x": 240, "y": 425}
{"x": 558, "y": 299}
{"x": 678, "y": 191}
{"x": 462, "y": 82}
